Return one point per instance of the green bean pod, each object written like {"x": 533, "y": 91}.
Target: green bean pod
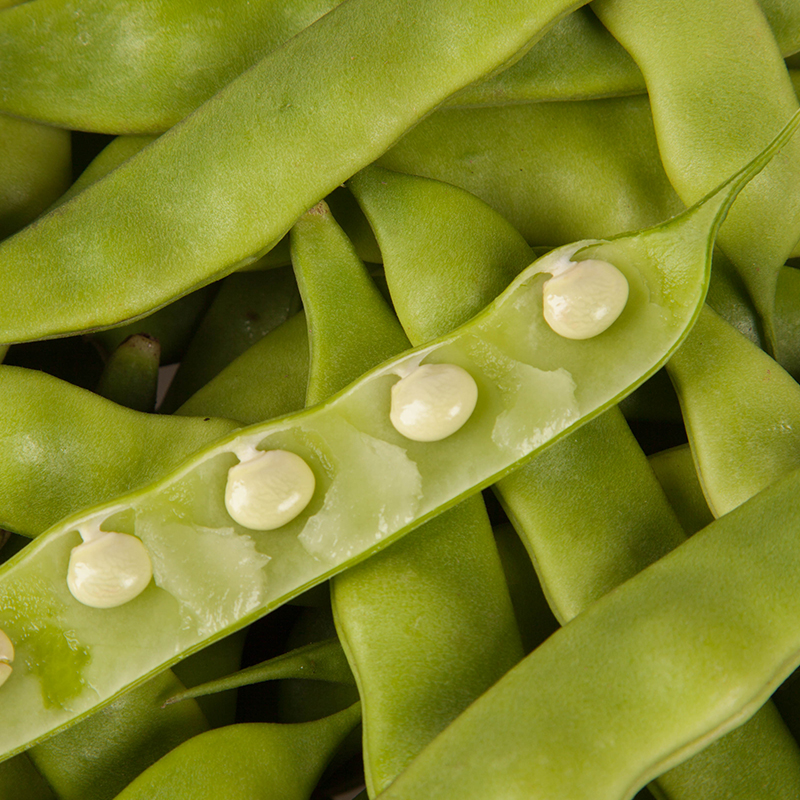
{"x": 145, "y": 71}
{"x": 123, "y": 68}
{"x": 556, "y": 171}
{"x": 743, "y": 423}
{"x": 19, "y": 780}
{"x": 280, "y": 362}
{"x": 61, "y": 447}
{"x": 318, "y": 661}
{"x": 100, "y": 756}
{"x": 582, "y": 548}
{"x": 699, "y": 62}
{"x": 36, "y": 170}
{"x": 675, "y": 471}
{"x": 130, "y": 376}
{"x": 277, "y": 134}
{"x": 246, "y": 308}
{"x": 240, "y": 762}
{"x": 212, "y": 575}
{"x": 646, "y": 676}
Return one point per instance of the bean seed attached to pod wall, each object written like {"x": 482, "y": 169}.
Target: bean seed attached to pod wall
{"x": 584, "y": 298}
{"x": 433, "y": 401}
{"x": 108, "y": 570}
{"x": 265, "y": 490}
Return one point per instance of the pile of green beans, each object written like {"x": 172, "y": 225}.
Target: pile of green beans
{"x": 399, "y": 400}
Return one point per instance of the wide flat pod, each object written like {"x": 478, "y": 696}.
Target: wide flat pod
{"x": 645, "y": 677}
{"x": 227, "y": 182}
{"x": 719, "y": 90}
{"x": 212, "y": 576}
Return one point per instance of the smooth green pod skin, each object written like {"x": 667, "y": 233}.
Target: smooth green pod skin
{"x": 577, "y": 59}
{"x": 202, "y": 592}
{"x": 277, "y": 134}
{"x": 741, "y": 409}
{"x": 464, "y": 632}
{"x": 36, "y": 170}
{"x": 592, "y": 515}
{"x": 419, "y": 248}
{"x": 699, "y": 62}
{"x": 787, "y": 320}
{"x": 62, "y": 445}
{"x": 191, "y": 51}
{"x": 675, "y": 471}
{"x": 100, "y": 756}
{"x": 241, "y": 762}
{"x": 125, "y": 68}
{"x": 556, "y": 171}
{"x": 583, "y": 536}
{"x": 280, "y": 360}
{"x": 130, "y": 376}
{"x": 245, "y": 309}
{"x": 553, "y": 727}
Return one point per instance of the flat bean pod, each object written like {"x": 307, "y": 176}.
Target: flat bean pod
{"x": 371, "y": 484}
{"x": 36, "y": 170}
{"x": 585, "y": 536}
{"x": 742, "y": 424}
{"x": 704, "y": 129}
{"x": 120, "y": 67}
{"x": 591, "y": 713}
{"x": 277, "y": 134}
{"x": 116, "y": 68}
{"x": 62, "y": 448}
{"x": 240, "y": 762}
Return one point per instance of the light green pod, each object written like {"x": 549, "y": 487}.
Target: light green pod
{"x": 130, "y": 376}
{"x": 741, "y": 409}
{"x": 276, "y": 134}
{"x": 211, "y": 576}
{"x": 645, "y": 677}
{"x": 464, "y": 632}
{"x": 62, "y": 448}
{"x": 675, "y": 471}
{"x": 241, "y": 762}
{"x": 124, "y": 67}
{"x": 719, "y": 90}
{"x": 36, "y": 170}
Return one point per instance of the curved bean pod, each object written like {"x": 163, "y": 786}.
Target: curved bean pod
{"x": 750, "y": 390}
{"x": 245, "y": 309}
{"x": 62, "y": 445}
{"x": 130, "y": 376}
{"x": 120, "y": 67}
{"x": 581, "y": 546}
{"x": 36, "y": 170}
{"x": 534, "y": 386}
{"x": 591, "y": 713}
{"x": 277, "y": 134}
{"x": 696, "y": 94}
{"x": 675, "y": 471}
{"x": 279, "y": 360}
{"x": 101, "y": 755}
{"x": 240, "y": 762}
{"x": 146, "y": 70}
